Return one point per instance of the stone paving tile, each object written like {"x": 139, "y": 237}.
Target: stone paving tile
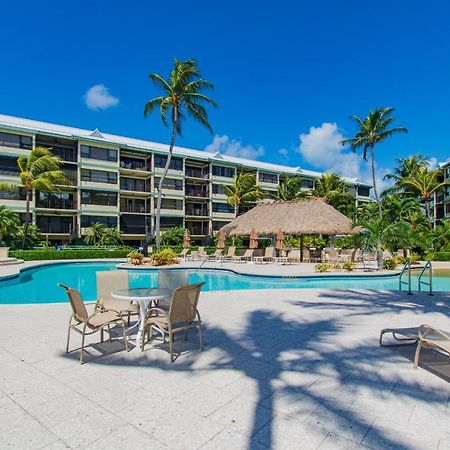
{"x": 387, "y": 435}
{"x": 127, "y": 436}
{"x": 243, "y": 416}
{"x": 286, "y": 433}
{"x": 232, "y": 439}
{"x": 444, "y": 444}
{"x": 90, "y": 426}
{"x": 335, "y": 442}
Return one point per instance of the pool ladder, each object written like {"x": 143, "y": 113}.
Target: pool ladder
{"x": 407, "y": 268}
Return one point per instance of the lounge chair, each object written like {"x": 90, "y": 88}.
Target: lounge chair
{"x": 405, "y": 336}
{"x": 200, "y": 253}
{"x": 430, "y": 337}
{"x": 330, "y": 256}
{"x": 114, "y": 280}
{"x": 247, "y": 256}
{"x": 217, "y": 255}
{"x": 184, "y": 253}
{"x": 306, "y": 255}
{"x": 86, "y": 324}
{"x": 231, "y": 253}
{"x": 182, "y": 316}
{"x": 294, "y": 256}
{"x": 269, "y": 255}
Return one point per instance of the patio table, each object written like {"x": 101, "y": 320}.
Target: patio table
{"x": 143, "y": 297}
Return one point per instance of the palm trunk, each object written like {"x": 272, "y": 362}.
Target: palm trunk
{"x": 380, "y": 212}
{"x": 27, "y": 219}
{"x": 428, "y": 212}
{"x": 161, "y": 181}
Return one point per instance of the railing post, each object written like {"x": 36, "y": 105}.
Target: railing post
{"x": 430, "y": 268}
{"x": 409, "y": 278}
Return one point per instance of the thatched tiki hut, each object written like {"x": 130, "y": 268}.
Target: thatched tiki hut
{"x": 298, "y": 218}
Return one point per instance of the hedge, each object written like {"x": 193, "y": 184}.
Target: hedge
{"x": 438, "y": 256}
{"x": 51, "y": 254}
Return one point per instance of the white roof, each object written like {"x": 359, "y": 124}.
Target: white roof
{"x": 36, "y": 126}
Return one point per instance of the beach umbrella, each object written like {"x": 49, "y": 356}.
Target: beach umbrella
{"x": 280, "y": 239}
{"x": 186, "y": 239}
{"x": 221, "y": 239}
{"x": 253, "y": 239}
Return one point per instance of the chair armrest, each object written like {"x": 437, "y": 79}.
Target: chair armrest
{"x": 102, "y": 311}
{"x": 424, "y": 330}
{"x": 149, "y": 311}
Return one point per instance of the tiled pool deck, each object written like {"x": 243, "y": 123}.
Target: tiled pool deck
{"x": 281, "y": 369}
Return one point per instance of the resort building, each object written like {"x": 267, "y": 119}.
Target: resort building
{"x": 441, "y": 204}
{"x": 114, "y": 181}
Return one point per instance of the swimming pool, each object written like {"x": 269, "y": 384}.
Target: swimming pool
{"x": 39, "y": 284}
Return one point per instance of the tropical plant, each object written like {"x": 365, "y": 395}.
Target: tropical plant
{"x": 99, "y": 234}
{"x": 182, "y": 95}
{"x": 39, "y": 171}
{"x": 9, "y": 225}
{"x": 289, "y": 189}
{"x": 373, "y": 130}
{"x": 32, "y": 238}
{"x": 164, "y": 257}
{"x": 243, "y": 191}
{"x": 406, "y": 167}
{"x": 440, "y": 236}
{"x": 331, "y": 187}
{"x": 424, "y": 184}
{"x": 172, "y": 236}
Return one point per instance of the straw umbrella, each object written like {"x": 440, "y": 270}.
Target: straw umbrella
{"x": 221, "y": 239}
{"x": 186, "y": 239}
{"x": 253, "y": 239}
{"x": 280, "y": 240}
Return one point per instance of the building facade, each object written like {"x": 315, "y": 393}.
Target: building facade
{"x": 114, "y": 181}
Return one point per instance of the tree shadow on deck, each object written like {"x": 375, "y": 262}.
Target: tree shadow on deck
{"x": 305, "y": 370}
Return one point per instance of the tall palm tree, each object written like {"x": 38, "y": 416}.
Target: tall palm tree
{"x": 39, "y": 171}
{"x": 181, "y": 96}
{"x": 424, "y": 184}
{"x": 243, "y": 191}
{"x": 332, "y": 188}
{"x": 9, "y": 224}
{"x": 372, "y": 130}
{"x": 289, "y": 189}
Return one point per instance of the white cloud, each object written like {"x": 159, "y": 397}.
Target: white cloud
{"x": 98, "y": 97}
{"x": 283, "y": 151}
{"x": 321, "y": 147}
{"x": 434, "y": 163}
{"x": 231, "y": 147}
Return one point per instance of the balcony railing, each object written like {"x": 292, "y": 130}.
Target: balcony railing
{"x": 9, "y": 172}
{"x": 134, "y": 208}
{"x": 197, "y": 230}
{"x": 192, "y": 211}
{"x": 196, "y": 173}
{"x": 56, "y": 204}
{"x": 66, "y": 154}
{"x": 133, "y": 165}
{"x": 56, "y": 228}
{"x": 196, "y": 193}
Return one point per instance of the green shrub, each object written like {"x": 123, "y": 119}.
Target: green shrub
{"x": 164, "y": 257}
{"x": 349, "y": 266}
{"x": 390, "y": 263}
{"x": 438, "y": 256}
{"x": 51, "y": 254}
{"x": 136, "y": 258}
{"x": 323, "y": 267}
{"x": 172, "y": 237}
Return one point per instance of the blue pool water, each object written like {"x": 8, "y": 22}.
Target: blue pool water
{"x": 39, "y": 285}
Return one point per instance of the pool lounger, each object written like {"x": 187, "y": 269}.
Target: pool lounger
{"x": 409, "y": 336}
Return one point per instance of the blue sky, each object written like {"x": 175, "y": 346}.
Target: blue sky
{"x": 279, "y": 69}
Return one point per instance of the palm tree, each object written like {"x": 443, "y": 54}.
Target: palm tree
{"x": 441, "y": 236}
{"x": 332, "y": 188}
{"x": 243, "y": 191}
{"x": 289, "y": 189}
{"x": 424, "y": 184}
{"x": 99, "y": 234}
{"x": 181, "y": 95}
{"x": 372, "y": 130}
{"x": 39, "y": 171}
{"x": 9, "y": 224}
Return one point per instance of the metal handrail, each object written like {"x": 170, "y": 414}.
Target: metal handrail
{"x": 407, "y": 266}
{"x": 428, "y": 283}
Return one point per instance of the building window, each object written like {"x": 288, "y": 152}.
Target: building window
{"x": 65, "y": 153}
{"x": 171, "y": 222}
{"x": 363, "y": 191}
{"x": 219, "y": 189}
{"x": 13, "y": 194}
{"x": 133, "y": 164}
{"x": 447, "y": 208}
{"x": 109, "y": 221}
{"x": 16, "y": 141}
{"x": 8, "y": 166}
{"x": 268, "y": 177}
{"x": 104, "y": 154}
{"x": 56, "y": 200}
{"x": 175, "y": 163}
{"x": 170, "y": 203}
{"x": 307, "y": 184}
{"x": 222, "y": 208}
{"x": 170, "y": 183}
{"x": 131, "y": 184}
{"x": 221, "y": 171}
{"x": 99, "y": 198}
{"x": 55, "y": 224}
{"x": 134, "y": 224}
{"x": 98, "y": 176}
